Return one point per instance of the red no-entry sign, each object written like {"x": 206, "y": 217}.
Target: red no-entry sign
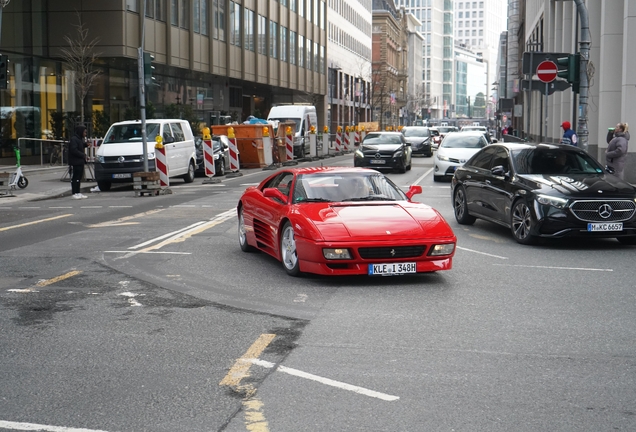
{"x": 547, "y": 71}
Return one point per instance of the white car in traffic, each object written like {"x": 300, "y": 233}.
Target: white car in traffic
{"x": 456, "y": 148}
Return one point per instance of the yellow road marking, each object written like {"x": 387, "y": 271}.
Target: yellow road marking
{"x": 46, "y": 282}
{"x": 253, "y": 407}
{"x": 35, "y": 222}
{"x": 120, "y": 221}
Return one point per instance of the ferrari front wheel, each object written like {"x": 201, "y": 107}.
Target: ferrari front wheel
{"x": 242, "y": 234}
{"x": 288, "y": 254}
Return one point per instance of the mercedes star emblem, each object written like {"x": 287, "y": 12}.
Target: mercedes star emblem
{"x": 605, "y": 211}
{"x": 378, "y": 156}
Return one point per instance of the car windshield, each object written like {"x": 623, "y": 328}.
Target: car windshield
{"x": 553, "y": 161}
{"x": 446, "y": 129}
{"x": 296, "y": 121}
{"x": 460, "y": 140}
{"x": 415, "y": 132}
{"x": 375, "y": 138}
{"x": 329, "y": 187}
{"x": 131, "y": 133}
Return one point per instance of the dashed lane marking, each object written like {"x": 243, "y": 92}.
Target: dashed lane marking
{"x": 326, "y": 381}
{"x": 39, "y": 427}
{"x": 35, "y": 222}
{"x": 556, "y": 268}
{"x": 481, "y": 253}
{"x": 124, "y": 220}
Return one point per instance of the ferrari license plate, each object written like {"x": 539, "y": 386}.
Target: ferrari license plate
{"x": 605, "y": 226}
{"x": 121, "y": 176}
{"x": 377, "y": 161}
{"x": 392, "y": 269}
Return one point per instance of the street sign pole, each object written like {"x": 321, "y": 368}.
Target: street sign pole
{"x": 546, "y": 72}
{"x": 546, "y": 109}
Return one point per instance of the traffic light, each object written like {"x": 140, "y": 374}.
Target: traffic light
{"x": 4, "y": 71}
{"x": 569, "y": 69}
{"x": 148, "y": 68}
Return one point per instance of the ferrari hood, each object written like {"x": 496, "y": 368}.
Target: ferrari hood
{"x": 391, "y": 221}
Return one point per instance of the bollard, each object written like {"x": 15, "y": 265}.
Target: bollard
{"x": 339, "y": 140}
{"x": 325, "y": 145}
{"x": 347, "y": 134}
{"x": 161, "y": 162}
{"x": 267, "y": 147}
{"x": 313, "y": 149}
{"x": 208, "y": 158}
{"x": 234, "y": 154}
{"x": 363, "y": 133}
{"x": 289, "y": 144}
{"x": 357, "y": 139}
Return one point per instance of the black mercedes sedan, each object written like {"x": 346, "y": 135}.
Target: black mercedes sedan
{"x": 544, "y": 190}
{"x": 381, "y": 150}
{"x": 420, "y": 138}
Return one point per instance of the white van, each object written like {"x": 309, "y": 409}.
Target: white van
{"x": 121, "y": 153}
{"x": 304, "y": 116}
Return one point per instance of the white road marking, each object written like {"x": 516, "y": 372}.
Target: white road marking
{"x": 91, "y": 207}
{"x": 183, "y": 205}
{"x": 151, "y": 252}
{"x": 39, "y": 427}
{"x": 119, "y": 206}
{"x": 28, "y": 208}
{"x": 423, "y": 175}
{"x": 131, "y": 298}
{"x": 300, "y": 298}
{"x": 140, "y": 245}
{"x": 555, "y": 268}
{"x": 67, "y": 207}
{"x": 35, "y": 222}
{"x": 326, "y": 381}
{"x": 119, "y": 221}
{"x": 481, "y": 253}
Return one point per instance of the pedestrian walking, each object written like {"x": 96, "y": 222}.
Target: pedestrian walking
{"x": 569, "y": 136}
{"x": 616, "y": 152}
{"x": 77, "y": 160}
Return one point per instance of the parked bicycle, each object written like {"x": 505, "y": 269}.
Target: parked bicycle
{"x": 55, "y": 157}
{"x": 17, "y": 178}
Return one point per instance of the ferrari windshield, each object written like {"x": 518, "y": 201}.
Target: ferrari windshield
{"x": 554, "y": 161}
{"x": 329, "y": 187}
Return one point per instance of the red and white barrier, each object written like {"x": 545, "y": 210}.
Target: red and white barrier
{"x": 357, "y": 137}
{"x": 161, "y": 163}
{"x": 339, "y": 139}
{"x": 208, "y": 158}
{"x": 268, "y": 157}
{"x": 352, "y": 138}
{"x": 233, "y": 150}
{"x": 347, "y": 135}
{"x": 289, "y": 144}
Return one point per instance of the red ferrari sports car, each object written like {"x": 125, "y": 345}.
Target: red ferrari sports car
{"x": 343, "y": 221}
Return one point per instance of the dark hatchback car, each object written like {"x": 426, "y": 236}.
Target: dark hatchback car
{"x": 220, "y": 149}
{"x": 384, "y": 150}
{"x": 544, "y": 190}
{"x": 420, "y": 138}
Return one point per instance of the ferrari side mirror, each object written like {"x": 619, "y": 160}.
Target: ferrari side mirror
{"x": 414, "y": 190}
{"x": 276, "y": 194}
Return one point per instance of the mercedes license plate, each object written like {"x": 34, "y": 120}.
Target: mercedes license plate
{"x": 378, "y": 161}
{"x": 122, "y": 176}
{"x": 392, "y": 269}
{"x": 605, "y": 226}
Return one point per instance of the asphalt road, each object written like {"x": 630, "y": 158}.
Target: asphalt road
{"x": 138, "y": 314}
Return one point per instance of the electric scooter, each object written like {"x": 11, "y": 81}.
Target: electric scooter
{"x": 17, "y": 178}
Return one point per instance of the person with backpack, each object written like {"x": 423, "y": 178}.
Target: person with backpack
{"x": 569, "y": 136}
{"x": 77, "y": 160}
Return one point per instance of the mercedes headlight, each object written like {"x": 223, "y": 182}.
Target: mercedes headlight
{"x": 552, "y": 201}
{"x": 359, "y": 154}
{"x": 398, "y": 153}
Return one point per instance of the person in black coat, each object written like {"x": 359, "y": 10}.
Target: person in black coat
{"x": 77, "y": 160}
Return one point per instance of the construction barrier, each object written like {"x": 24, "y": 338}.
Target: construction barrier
{"x": 352, "y": 138}
{"x": 268, "y": 156}
{"x": 289, "y": 144}
{"x": 347, "y": 136}
{"x": 339, "y": 139}
{"x": 161, "y": 162}
{"x": 357, "y": 136}
{"x": 208, "y": 154}
{"x": 234, "y": 160}
{"x": 313, "y": 149}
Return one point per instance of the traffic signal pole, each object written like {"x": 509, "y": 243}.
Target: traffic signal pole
{"x": 584, "y": 44}
{"x": 142, "y": 88}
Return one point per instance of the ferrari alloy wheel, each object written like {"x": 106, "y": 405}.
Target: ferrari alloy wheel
{"x": 521, "y": 223}
{"x": 288, "y": 254}
{"x": 461, "y": 208}
{"x": 242, "y": 233}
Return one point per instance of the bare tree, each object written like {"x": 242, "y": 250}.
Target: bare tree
{"x": 80, "y": 57}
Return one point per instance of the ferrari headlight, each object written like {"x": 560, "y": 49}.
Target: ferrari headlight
{"x": 442, "y": 249}
{"x": 442, "y": 157}
{"x": 552, "y": 201}
{"x": 336, "y": 254}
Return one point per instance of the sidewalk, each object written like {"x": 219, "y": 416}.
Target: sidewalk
{"x": 44, "y": 183}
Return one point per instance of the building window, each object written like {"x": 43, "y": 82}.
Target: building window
{"x": 461, "y": 6}
{"x": 131, "y": 5}
{"x": 150, "y": 8}
{"x": 481, "y": 14}
{"x": 323, "y": 14}
{"x": 293, "y": 5}
{"x": 301, "y": 51}
{"x": 249, "y": 30}
{"x": 301, "y": 8}
{"x": 262, "y": 35}
{"x": 184, "y": 14}
{"x": 461, "y": 15}
{"x": 174, "y": 12}
{"x": 292, "y": 47}
{"x": 283, "y": 43}
{"x": 235, "y": 24}
{"x": 200, "y": 24}
{"x": 460, "y": 33}
{"x": 322, "y": 59}
{"x": 273, "y": 39}
{"x": 219, "y": 20}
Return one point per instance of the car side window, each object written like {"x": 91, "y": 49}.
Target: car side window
{"x": 167, "y": 134}
{"x": 501, "y": 158}
{"x": 482, "y": 159}
{"x": 282, "y": 182}
{"x": 177, "y": 132}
